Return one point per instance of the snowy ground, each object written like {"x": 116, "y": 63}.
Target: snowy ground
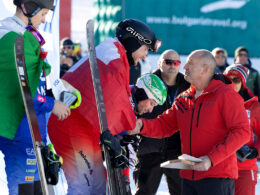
{"x": 163, "y": 189}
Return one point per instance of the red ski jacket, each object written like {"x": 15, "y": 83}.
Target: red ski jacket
{"x": 114, "y": 75}
{"x": 215, "y": 124}
{"x": 252, "y": 106}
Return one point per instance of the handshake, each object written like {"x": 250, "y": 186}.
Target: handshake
{"x": 137, "y": 129}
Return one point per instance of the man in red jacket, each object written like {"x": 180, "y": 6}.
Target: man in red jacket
{"x": 213, "y": 124}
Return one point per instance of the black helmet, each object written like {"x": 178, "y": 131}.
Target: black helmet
{"x": 133, "y": 34}
{"x": 32, "y": 7}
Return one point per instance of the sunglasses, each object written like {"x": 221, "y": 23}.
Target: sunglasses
{"x": 236, "y": 80}
{"x": 172, "y": 62}
{"x": 242, "y": 54}
{"x": 36, "y": 34}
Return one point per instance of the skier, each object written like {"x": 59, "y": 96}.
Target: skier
{"x": 77, "y": 138}
{"x": 15, "y": 138}
{"x": 247, "y": 154}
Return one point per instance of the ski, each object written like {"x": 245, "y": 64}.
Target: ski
{"x": 116, "y": 184}
{"x": 29, "y": 109}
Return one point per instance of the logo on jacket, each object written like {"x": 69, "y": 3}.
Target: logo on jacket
{"x": 223, "y": 4}
{"x": 29, "y": 178}
{"x": 30, "y": 161}
{"x": 30, "y": 170}
{"x": 30, "y": 151}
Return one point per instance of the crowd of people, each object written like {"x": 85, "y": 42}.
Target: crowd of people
{"x": 211, "y": 112}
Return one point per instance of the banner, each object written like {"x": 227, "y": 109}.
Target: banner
{"x": 186, "y": 25}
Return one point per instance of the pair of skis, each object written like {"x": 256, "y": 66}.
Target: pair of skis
{"x": 116, "y": 183}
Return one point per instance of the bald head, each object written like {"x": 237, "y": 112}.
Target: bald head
{"x": 169, "y": 64}
{"x": 169, "y": 54}
{"x": 200, "y": 68}
{"x": 206, "y": 58}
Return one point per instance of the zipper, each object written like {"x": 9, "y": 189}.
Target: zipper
{"x": 198, "y": 115}
{"x": 193, "y": 108}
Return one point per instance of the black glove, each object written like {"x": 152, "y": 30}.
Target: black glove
{"x": 254, "y": 154}
{"x": 117, "y": 153}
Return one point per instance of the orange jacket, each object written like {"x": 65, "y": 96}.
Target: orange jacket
{"x": 215, "y": 124}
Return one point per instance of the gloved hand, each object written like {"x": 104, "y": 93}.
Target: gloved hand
{"x": 117, "y": 153}
{"x": 253, "y": 154}
{"x": 78, "y": 102}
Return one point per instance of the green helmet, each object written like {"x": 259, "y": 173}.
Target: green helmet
{"x": 153, "y": 87}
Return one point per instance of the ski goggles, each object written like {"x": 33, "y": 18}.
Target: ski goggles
{"x": 170, "y": 62}
{"x": 36, "y": 34}
{"x": 221, "y": 53}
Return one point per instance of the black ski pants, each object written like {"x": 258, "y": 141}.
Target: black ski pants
{"x": 208, "y": 186}
{"x": 148, "y": 173}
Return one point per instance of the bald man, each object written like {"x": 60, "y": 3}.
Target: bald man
{"x": 212, "y": 123}
{"x": 152, "y": 152}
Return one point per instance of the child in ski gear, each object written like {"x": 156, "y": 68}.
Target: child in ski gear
{"x": 77, "y": 138}
{"x": 15, "y": 138}
{"x": 247, "y": 154}
{"x": 241, "y": 56}
{"x": 211, "y": 127}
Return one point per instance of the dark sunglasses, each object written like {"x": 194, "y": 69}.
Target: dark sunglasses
{"x": 172, "y": 62}
{"x": 236, "y": 80}
{"x": 242, "y": 54}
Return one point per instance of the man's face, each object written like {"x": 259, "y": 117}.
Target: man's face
{"x": 170, "y": 64}
{"x": 221, "y": 60}
{"x": 145, "y": 106}
{"x": 39, "y": 17}
{"x": 140, "y": 53}
{"x": 242, "y": 58}
{"x": 193, "y": 68}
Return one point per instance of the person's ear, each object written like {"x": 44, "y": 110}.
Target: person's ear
{"x": 205, "y": 68}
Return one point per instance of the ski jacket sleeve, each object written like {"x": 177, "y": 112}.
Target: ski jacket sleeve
{"x": 236, "y": 122}
{"x": 163, "y": 126}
